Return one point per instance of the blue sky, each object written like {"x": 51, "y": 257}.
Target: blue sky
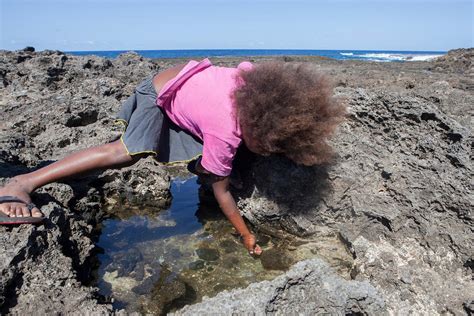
{"x": 247, "y": 24}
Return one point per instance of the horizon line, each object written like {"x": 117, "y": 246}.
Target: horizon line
{"x": 254, "y": 49}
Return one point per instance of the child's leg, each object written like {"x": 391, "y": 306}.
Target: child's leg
{"x": 100, "y": 157}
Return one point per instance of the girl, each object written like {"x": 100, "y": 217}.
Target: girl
{"x": 200, "y": 110}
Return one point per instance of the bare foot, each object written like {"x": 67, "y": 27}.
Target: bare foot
{"x": 16, "y": 187}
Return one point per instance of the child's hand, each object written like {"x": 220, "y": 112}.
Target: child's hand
{"x": 250, "y": 243}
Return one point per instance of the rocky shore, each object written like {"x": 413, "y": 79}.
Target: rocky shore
{"x": 399, "y": 195}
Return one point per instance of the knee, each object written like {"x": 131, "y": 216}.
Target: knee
{"x": 118, "y": 150}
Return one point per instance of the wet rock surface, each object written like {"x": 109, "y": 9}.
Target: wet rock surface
{"x": 138, "y": 249}
{"x": 208, "y": 254}
{"x": 167, "y": 289}
{"x": 276, "y": 259}
{"x": 399, "y": 194}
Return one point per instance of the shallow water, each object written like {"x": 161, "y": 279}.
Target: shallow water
{"x": 159, "y": 263}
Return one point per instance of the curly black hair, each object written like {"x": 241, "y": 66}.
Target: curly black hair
{"x": 288, "y": 108}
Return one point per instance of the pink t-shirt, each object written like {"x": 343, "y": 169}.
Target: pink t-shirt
{"x": 198, "y": 100}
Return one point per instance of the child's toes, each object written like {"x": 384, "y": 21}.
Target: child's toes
{"x": 35, "y": 212}
{"x": 25, "y": 211}
{"x": 6, "y": 210}
{"x": 18, "y": 211}
{"x": 11, "y": 211}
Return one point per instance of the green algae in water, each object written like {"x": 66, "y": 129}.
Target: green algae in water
{"x": 159, "y": 263}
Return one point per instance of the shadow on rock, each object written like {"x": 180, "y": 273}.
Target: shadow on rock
{"x": 280, "y": 193}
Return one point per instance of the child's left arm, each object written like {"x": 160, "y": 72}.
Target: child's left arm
{"x": 229, "y": 208}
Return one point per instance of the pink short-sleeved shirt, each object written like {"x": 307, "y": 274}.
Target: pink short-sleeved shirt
{"x": 198, "y": 100}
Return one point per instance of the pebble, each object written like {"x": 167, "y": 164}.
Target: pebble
{"x": 276, "y": 259}
{"x": 208, "y": 254}
{"x": 196, "y": 265}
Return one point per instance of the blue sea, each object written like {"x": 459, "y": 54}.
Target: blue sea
{"x": 367, "y": 55}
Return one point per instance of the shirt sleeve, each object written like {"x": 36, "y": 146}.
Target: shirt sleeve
{"x": 217, "y": 155}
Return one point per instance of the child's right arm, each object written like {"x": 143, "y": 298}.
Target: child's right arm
{"x": 229, "y": 208}
{"x": 220, "y": 187}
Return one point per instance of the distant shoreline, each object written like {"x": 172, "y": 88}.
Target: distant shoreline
{"x": 364, "y": 55}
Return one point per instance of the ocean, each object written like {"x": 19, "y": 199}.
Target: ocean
{"x": 367, "y": 55}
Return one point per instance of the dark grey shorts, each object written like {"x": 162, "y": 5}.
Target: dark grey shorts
{"x": 149, "y": 130}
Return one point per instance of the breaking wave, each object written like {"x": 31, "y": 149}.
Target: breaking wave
{"x": 387, "y": 57}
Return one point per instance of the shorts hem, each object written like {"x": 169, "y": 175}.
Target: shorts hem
{"x": 124, "y": 123}
{"x": 137, "y": 152}
{"x": 170, "y": 163}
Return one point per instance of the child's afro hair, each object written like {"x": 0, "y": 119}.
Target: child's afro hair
{"x": 288, "y": 108}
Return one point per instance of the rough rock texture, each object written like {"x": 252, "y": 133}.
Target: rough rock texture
{"x": 399, "y": 194}
{"x": 53, "y": 104}
{"x": 40, "y": 266}
{"x": 145, "y": 183}
{"x": 309, "y": 287}
{"x": 457, "y": 60}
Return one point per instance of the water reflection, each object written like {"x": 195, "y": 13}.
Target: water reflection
{"x": 161, "y": 261}
{"x": 179, "y": 219}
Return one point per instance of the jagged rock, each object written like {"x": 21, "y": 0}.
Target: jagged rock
{"x": 310, "y": 287}
{"x": 145, "y": 183}
{"x": 53, "y": 104}
{"x": 457, "y": 60}
{"x": 398, "y": 195}
{"x": 401, "y": 181}
{"x": 40, "y": 266}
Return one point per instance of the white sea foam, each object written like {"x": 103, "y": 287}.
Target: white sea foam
{"x": 346, "y": 54}
{"x": 396, "y": 57}
{"x": 424, "y": 57}
{"x": 382, "y": 56}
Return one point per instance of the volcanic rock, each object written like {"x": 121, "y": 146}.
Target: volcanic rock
{"x": 399, "y": 193}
